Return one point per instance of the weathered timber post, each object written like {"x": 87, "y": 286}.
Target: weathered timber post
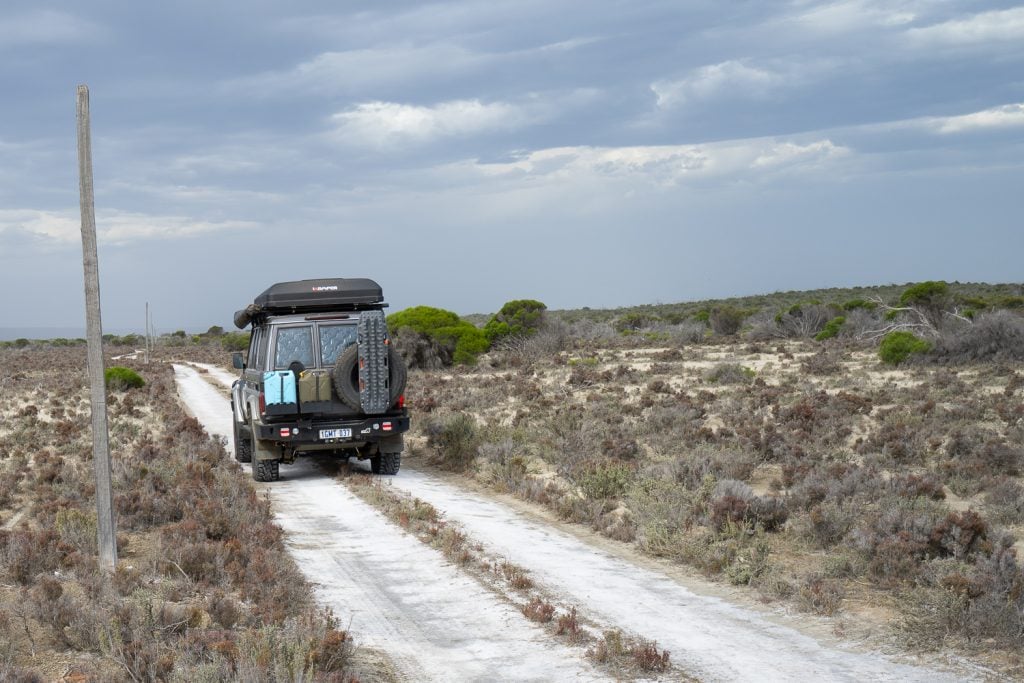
{"x": 94, "y": 336}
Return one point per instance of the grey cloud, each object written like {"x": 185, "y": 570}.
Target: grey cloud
{"x": 46, "y": 27}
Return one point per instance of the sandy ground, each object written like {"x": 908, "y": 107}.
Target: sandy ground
{"x": 397, "y": 595}
{"x": 707, "y": 636}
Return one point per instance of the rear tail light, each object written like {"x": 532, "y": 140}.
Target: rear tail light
{"x": 263, "y": 403}
{"x": 401, "y": 401}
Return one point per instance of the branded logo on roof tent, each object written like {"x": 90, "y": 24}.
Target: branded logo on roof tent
{"x": 326, "y": 288}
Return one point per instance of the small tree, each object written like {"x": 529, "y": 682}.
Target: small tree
{"x": 462, "y": 342}
{"x": 518, "y": 318}
{"x": 925, "y": 309}
{"x": 931, "y": 298}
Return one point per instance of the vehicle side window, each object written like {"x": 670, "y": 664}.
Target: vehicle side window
{"x": 293, "y": 344}
{"x": 261, "y": 348}
{"x": 254, "y": 344}
{"x": 333, "y": 340}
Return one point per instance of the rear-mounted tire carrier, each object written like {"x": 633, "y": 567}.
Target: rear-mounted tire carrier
{"x": 374, "y": 374}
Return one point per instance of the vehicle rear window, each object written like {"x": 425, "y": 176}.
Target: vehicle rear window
{"x": 293, "y": 344}
{"x": 333, "y": 340}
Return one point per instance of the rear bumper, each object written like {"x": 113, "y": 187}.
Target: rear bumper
{"x": 307, "y": 432}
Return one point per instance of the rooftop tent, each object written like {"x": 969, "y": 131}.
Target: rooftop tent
{"x": 308, "y": 296}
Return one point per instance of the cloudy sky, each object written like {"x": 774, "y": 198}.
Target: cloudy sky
{"x": 585, "y": 153}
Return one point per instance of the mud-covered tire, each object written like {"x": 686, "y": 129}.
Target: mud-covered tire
{"x": 266, "y": 470}
{"x": 346, "y": 376}
{"x": 243, "y": 444}
{"x": 386, "y": 463}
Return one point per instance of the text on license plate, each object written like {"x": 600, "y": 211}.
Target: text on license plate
{"x": 335, "y": 433}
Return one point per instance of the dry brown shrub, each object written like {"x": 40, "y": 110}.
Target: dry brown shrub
{"x": 539, "y": 610}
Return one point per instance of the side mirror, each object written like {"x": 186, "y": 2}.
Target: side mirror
{"x": 237, "y": 361}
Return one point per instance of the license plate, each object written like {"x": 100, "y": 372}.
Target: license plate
{"x": 335, "y": 433}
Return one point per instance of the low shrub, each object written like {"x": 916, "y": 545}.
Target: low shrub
{"x": 897, "y": 346}
{"x": 603, "y": 480}
{"x": 820, "y": 595}
{"x": 805, "y": 320}
{"x": 822, "y": 363}
{"x": 730, "y": 373}
{"x": 121, "y": 379}
{"x": 456, "y": 441}
{"x": 726, "y": 320}
{"x": 994, "y": 336}
{"x": 831, "y": 328}
{"x": 859, "y": 304}
{"x": 539, "y": 610}
{"x": 634, "y": 322}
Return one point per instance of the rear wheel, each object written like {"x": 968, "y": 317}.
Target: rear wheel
{"x": 243, "y": 444}
{"x": 266, "y": 470}
{"x": 386, "y": 463}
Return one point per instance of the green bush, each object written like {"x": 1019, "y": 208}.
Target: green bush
{"x": 235, "y": 341}
{"x": 1012, "y": 302}
{"x": 831, "y": 328}
{"x": 463, "y": 341}
{"x": 522, "y": 317}
{"x": 897, "y": 346}
{"x": 120, "y": 379}
{"x": 605, "y": 480}
{"x": 632, "y": 322}
{"x": 854, "y": 304}
{"x": 929, "y": 293}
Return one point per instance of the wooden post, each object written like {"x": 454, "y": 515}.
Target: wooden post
{"x": 94, "y": 336}
{"x": 146, "y": 354}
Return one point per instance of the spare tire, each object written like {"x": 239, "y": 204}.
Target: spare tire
{"x": 346, "y": 376}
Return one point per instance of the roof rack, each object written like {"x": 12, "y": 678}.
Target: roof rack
{"x": 313, "y": 296}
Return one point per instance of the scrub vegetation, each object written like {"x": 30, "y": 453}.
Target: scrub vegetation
{"x": 785, "y": 452}
{"x": 204, "y": 589}
{"x": 766, "y": 442}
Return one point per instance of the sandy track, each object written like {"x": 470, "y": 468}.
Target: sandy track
{"x": 398, "y": 596}
{"x": 707, "y": 636}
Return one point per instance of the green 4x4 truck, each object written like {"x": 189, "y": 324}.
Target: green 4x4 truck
{"x": 320, "y": 375}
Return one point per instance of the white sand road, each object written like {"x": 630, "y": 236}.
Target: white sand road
{"x": 398, "y": 595}
{"x": 707, "y": 637}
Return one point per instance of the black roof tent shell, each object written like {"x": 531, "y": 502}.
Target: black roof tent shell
{"x": 312, "y": 296}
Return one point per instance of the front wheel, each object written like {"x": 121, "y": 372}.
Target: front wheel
{"x": 243, "y": 444}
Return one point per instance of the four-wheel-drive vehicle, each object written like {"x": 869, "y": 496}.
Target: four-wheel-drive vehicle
{"x": 320, "y": 375}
